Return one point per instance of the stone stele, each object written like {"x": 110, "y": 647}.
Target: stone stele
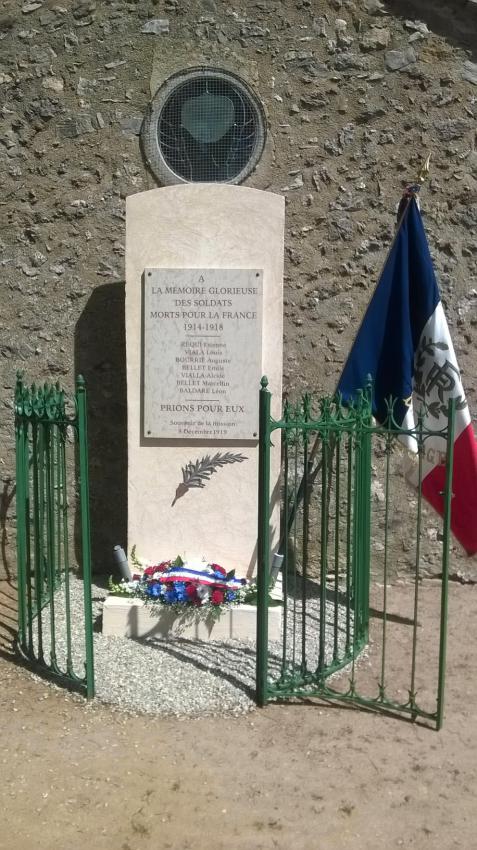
{"x": 204, "y": 322}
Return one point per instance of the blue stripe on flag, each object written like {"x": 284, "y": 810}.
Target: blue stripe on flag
{"x": 405, "y": 298}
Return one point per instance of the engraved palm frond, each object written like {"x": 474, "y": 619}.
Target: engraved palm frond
{"x": 198, "y": 473}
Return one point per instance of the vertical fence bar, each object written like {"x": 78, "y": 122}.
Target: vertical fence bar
{"x": 367, "y": 540}
{"x": 356, "y": 546}
{"x": 40, "y": 508}
{"x": 417, "y": 565}
{"x": 363, "y": 516}
{"x": 85, "y": 532}
{"x": 286, "y": 499}
{"x": 20, "y": 511}
{"x": 296, "y": 444}
{"x": 349, "y": 537}
{"x": 324, "y": 546}
{"x": 366, "y": 529}
{"x": 382, "y": 683}
{"x": 445, "y": 562}
{"x": 27, "y": 518}
{"x": 50, "y": 541}
{"x": 59, "y": 552}
{"x": 66, "y": 564}
{"x": 36, "y": 540}
{"x": 306, "y": 531}
{"x": 263, "y": 543}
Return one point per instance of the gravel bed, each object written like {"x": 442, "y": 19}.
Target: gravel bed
{"x": 180, "y": 677}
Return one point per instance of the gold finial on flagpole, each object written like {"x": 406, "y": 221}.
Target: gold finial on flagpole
{"x": 424, "y": 171}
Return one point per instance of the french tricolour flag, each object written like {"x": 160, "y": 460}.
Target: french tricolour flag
{"x": 405, "y": 346}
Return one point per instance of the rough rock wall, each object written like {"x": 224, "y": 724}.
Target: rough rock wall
{"x": 357, "y": 92}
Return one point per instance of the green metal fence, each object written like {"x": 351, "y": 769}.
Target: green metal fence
{"x": 350, "y": 633}
{"x": 51, "y": 444}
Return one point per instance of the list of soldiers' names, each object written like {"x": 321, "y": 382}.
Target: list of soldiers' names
{"x": 202, "y": 353}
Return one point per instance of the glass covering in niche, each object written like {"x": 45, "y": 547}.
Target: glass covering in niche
{"x": 209, "y": 130}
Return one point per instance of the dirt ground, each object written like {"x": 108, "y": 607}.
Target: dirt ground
{"x": 304, "y": 776}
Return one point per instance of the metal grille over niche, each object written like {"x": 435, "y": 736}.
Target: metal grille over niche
{"x": 204, "y": 126}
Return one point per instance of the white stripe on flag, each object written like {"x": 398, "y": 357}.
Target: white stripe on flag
{"x": 436, "y": 380}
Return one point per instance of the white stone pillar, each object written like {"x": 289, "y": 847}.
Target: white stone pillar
{"x": 221, "y": 243}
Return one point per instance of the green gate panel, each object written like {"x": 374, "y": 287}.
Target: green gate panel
{"x": 326, "y": 544}
{"x": 51, "y": 459}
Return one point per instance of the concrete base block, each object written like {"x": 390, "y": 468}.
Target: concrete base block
{"x": 123, "y": 617}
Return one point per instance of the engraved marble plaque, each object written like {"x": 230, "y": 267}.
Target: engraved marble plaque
{"x": 202, "y": 353}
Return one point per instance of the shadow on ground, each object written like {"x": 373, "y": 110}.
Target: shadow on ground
{"x": 8, "y": 618}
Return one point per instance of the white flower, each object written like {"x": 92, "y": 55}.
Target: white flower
{"x": 203, "y": 592}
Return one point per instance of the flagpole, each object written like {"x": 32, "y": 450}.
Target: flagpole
{"x": 410, "y": 192}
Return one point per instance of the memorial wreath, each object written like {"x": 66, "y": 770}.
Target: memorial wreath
{"x": 179, "y": 584}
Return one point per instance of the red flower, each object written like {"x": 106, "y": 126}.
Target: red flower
{"x": 191, "y": 593}
{"x": 217, "y": 597}
{"x": 149, "y": 572}
{"x": 136, "y": 577}
{"x": 218, "y": 569}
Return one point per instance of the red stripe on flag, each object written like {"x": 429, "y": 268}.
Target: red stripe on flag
{"x": 464, "y": 488}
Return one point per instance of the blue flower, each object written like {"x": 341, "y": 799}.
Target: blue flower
{"x": 180, "y": 589}
{"x": 170, "y": 596}
{"x": 154, "y": 590}
{"x": 231, "y": 595}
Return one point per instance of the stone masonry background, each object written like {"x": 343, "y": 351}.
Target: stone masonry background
{"x": 357, "y": 93}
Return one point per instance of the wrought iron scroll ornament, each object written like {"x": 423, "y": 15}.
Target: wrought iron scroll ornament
{"x": 198, "y": 473}
{"x": 44, "y": 402}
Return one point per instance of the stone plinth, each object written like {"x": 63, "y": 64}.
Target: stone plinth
{"x": 227, "y": 241}
{"x": 123, "y": 617}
